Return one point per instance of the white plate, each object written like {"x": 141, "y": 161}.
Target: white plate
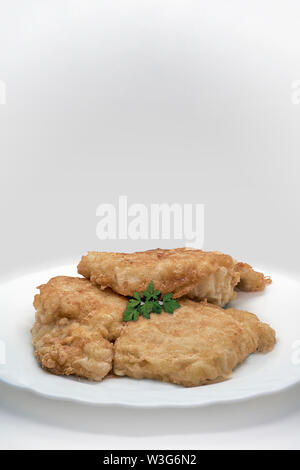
{"x": 258, "y": 375}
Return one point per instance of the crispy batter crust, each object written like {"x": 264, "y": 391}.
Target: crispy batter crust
{"x": 74, "y": 323}
{"x": 77, "y": 299}
{"x": 195, "y": 273}
{"x": 199, "y": 343}
{"x": 67, "y": 347}
{"x": 251, "y": 281}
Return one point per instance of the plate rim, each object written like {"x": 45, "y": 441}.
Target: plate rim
{"x": 147, "y": 405}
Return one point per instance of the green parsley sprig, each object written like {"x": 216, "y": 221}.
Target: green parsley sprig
{"x": 150, "y": 301}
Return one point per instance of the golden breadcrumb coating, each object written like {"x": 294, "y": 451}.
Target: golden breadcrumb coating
{"x": 77, "y": 299}
{"x": 67, "y": 347}
{"x": 195, "y": 273}
{"x": 74, "y": 323}
{"x": 251, "y": 281}
{"x": 199, "y": 343}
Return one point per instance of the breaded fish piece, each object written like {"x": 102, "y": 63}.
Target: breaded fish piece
{"x": 77, "y": 299}
{"x": 74, "y": 323}
{"x": 67, "y": 347}
{"x": 199, "y": 343}
{"x": 251, "y": 281}
{"x": 195, "y": 273}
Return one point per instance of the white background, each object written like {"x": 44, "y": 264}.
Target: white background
{"x": 162, "y": 101}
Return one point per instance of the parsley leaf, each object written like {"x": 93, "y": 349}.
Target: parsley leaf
{"x": 146, "y": 309}
{"x": 156, "y": 307}
{"x": 149, "y": 301}
{"x": 170, "y": 306}
{"x": 133, "y": 303}
{"x": 128, "y": 315}
{"x": 135, "y": 315}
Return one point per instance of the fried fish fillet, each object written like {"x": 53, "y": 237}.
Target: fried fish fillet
{"x": 199, "y": 343}
{"x": 194, "y": 273}
{"x": 67, "y": 347}
{"x": 74, "y": 323}
{"x": 251, "y": 281}
{"x": 77, "y": 299}
{"x": 197, "y": 274}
